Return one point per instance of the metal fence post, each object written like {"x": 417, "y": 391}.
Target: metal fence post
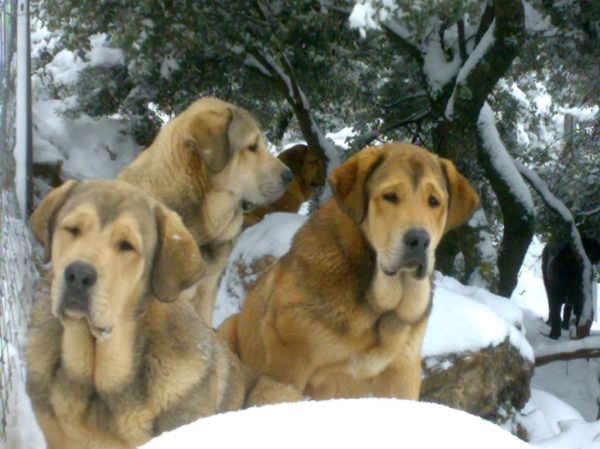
{"x": 23, "y": 148}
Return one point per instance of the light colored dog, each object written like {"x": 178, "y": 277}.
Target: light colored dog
{"x": 208, "y": 164}
{"x": 344, "y": 312}
{"x": 111, "y": 360}
{"x": 309, "y": 173}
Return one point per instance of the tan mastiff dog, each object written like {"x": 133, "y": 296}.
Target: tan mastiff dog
{"x": 208, "y": 164}
{"x": 344, "y": 312}
{"x": 112, "y": 358}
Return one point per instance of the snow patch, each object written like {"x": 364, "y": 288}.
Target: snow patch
{"x": 348, "y": 423}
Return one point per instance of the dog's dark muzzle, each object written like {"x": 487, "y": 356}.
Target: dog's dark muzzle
{"x": 415, "y": 256}
{"x": 79, "y": 280}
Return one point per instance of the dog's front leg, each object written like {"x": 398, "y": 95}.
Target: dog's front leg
{"x": 401, "y": 380}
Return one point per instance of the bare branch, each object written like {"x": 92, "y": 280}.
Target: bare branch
{"x": 395, "y": 103}
{"x": 462, "y": 43}
{"x": 588, "y": 353}
{"x": 366, "y": 139}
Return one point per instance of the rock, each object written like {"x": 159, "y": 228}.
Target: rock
{"x": 492, "y": 383}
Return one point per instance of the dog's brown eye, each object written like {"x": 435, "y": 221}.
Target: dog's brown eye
{"x": 253, "y": 147}
{"x": 391, "y": 197}
{"x": 125, "y": 246}
{"x": 433, "y": 201}
{"x": 73, "y": 230}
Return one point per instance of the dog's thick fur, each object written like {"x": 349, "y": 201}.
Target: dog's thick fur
{"x": 343, "y": 313}
{"x": 207, "y": 164}
{"x": 111, "y": 363}
{"x": 309, "y": 173}
{"x": 563, "y": 279}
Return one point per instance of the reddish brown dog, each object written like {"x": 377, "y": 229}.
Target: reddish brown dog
{"x": 309, "y": 173}
{"x": 344, "y": 312}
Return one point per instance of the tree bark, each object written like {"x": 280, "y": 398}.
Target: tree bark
{"x": 519, "y": 227}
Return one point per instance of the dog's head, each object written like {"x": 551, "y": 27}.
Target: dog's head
{"x": 303, "y": 162}
{"x": 405, "y": 199}
{"x": 232, "y": 147}
{"x": 110, "y": 243}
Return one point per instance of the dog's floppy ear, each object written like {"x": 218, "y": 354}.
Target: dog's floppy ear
{"x": 208, "y": 137}
{"x": 243, "y": 132}
{"x": 44, "y": 216}
{"x": 294, "y": 158}
{"x": 349, "y": 182}
{"x": 464, "y": 200}
{"x": 177, "y": 260}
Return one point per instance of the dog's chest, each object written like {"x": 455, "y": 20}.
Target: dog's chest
{"x": 387, "y": 340}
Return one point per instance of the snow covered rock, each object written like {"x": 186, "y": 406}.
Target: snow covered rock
{"x": 492, "y": 383}
{"x": 475, "y": 356}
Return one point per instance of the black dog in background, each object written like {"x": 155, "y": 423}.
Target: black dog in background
{"x": 562, "y": 279}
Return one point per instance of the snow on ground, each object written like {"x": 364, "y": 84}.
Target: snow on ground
{"x": 576, "y": 382}
{"x": 87, "y": 147}
{"x": 349, "y": 423}
{"x": 22, "y": 429}
{"x": 272, "y": 237}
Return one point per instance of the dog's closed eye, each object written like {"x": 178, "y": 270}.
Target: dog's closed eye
{"x": 124, "y": 245}
{"x": 73, "y": 230}
{"x": 391, "y": 197}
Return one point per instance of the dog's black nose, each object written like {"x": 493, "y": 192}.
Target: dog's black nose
{"x": 417, "y": 240}
{"x": 287, "y": 176}
{"x": 80, "y": 277}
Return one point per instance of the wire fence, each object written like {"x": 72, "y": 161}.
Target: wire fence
{"x": 17, "y": 269}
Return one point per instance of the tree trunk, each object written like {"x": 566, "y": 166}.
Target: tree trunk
{"x": 460, "y": 253}
{"x": 455, "y": 110}
{"x": 519, "y": 227}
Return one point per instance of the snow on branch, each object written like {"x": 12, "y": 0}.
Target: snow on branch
{"x": 491, "y": 58}
{"x": 482, "y": 48}
{"x": 563, "y": 211}
{"x": 500, "y": 158}
{"x": 283, "y": 75}
{"x": 251, "y": 61}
